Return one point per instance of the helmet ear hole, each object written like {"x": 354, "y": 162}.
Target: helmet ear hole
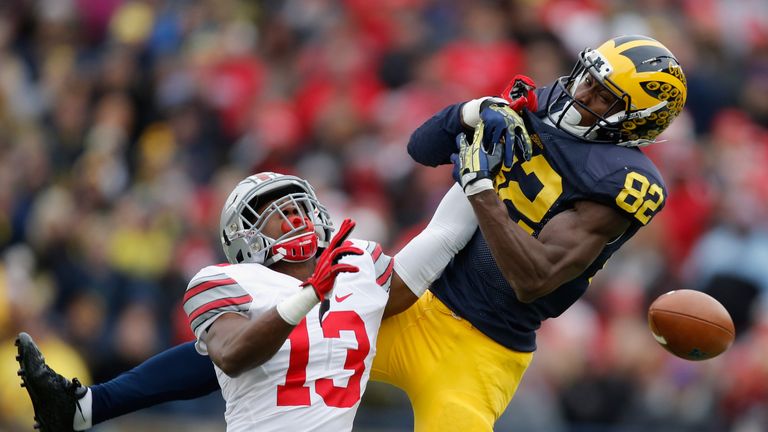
{"x": 250, "y": 213}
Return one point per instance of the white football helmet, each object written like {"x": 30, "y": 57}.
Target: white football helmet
{"x": 241, "y": 222}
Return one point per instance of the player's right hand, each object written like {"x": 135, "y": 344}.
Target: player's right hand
{"x": 503, "y": 127}
{"x": 328, "y": 267}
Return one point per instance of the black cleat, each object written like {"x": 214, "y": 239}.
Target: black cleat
{"x": 54, "y": 397}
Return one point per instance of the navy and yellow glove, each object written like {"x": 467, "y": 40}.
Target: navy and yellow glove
{"x": 503, "y": 125}
{"x": 476, "y": 165}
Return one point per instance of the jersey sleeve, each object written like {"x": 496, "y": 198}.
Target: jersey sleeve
{"x": 638, "y": 194}
{"x": 383, "y": 264}
{"x": 434, "y": 141}
{"x": 210, "y": 294}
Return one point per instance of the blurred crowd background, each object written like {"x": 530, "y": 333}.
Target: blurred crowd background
{"x": 124, "y": 124}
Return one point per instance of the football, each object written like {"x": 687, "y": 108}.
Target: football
{"x": 691, "y": 324}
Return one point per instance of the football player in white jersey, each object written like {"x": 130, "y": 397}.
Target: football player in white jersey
{"x": 292, "y": 333}
{"x": 280, "y": 358}
{"x": 291, "y": 321}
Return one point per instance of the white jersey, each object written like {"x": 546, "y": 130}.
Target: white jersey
{"x": 316, "y": 379}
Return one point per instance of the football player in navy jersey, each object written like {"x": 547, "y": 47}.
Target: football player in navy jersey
{"x": 556, "y": 190}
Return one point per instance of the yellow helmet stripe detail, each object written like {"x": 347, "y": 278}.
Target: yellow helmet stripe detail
{"x": 626, "y": 76}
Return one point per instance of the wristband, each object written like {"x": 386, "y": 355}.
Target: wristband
{"x": 293, "y": 309}
{"x": 478, "y": 186}
{"x": 470, "y": 112}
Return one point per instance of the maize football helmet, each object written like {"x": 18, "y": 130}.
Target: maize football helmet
{"x": 641, "y": 73}
{"x": 244, "y": 216}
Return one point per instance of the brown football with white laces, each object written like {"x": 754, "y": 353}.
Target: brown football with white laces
{"x": 691, "y": 324}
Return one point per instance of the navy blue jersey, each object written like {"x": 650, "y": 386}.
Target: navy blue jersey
{"x": 562, "y": 171}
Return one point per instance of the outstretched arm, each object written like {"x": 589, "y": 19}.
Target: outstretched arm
{"x": 423, "y": 259}
{"x": 434, "y": 142}
{"x": 179, "y": 373}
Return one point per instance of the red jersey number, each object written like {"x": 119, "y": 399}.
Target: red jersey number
{"x": 295, "y": 392}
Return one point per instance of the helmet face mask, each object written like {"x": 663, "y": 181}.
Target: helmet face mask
{"x": 643, "y": 76}
{"x": 604, "y": 128}
{"x": 255, "y": 202}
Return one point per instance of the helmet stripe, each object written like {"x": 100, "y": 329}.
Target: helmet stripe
{"x": 639, "y": 42}
{"x": 641, "y": 54}
{"x": 621, "y": 40}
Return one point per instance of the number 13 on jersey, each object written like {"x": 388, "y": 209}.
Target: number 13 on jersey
{"x": 640, "y": 197}
{"x": 295, "y": 391}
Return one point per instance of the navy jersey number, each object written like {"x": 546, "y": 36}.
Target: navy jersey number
{"x": 533, "y": 209}
{"x": 640, "y": 196}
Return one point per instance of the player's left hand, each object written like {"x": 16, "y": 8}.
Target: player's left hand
{"x": 503, "y": 125}
{"x": 520, "y": 93}
{"x": 476, "y": 165}
{"x": 328, "y": 267}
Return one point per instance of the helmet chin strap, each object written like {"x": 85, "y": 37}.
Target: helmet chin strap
{"x": 570, "y": 122}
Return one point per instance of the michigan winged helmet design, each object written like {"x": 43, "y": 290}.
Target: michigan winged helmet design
{"x": 644, "y": 76}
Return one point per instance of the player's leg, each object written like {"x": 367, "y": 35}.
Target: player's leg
{"x": 457, "y": 378}
{"x": 468, "y": 386}
{"x": 179, "y": 373}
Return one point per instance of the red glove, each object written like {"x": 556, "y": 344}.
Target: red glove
{"x": 328, "y": 267}
{"x": 520, "y": 93}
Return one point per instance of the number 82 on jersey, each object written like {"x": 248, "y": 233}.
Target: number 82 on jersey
{"x": 640, "y": 196}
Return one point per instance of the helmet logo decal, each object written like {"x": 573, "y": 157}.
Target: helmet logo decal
{"x": 598, "y": 63}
